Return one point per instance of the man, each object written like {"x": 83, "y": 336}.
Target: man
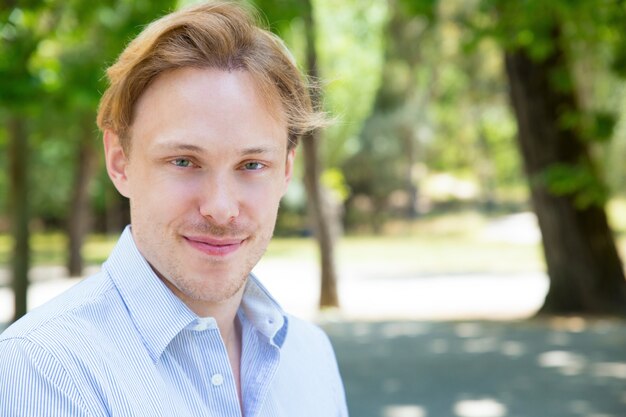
{"x": 200, "y": 123}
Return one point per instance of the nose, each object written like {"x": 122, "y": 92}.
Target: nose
{"x": 219, "y": 201}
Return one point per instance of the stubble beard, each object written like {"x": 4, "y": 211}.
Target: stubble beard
{"x": 221, "y": 280}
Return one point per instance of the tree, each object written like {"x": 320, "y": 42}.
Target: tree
{"x": 19, "y": 212}
{"x": 93, "y": 39}
{"x": 22, "y": 30}
{"x": 555, "y": 137}
{"x": 389, "y": 139}
{"x": 312, "y": 165}
{"x": 340, "y": 42}
{"x": 51, "y": 60}
{"x": 78, "y": 224}
{"x": 285, "y": 13}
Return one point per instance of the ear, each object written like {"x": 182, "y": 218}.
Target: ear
{"x": 116, "y": 162}
{"x": 291, "y": 155}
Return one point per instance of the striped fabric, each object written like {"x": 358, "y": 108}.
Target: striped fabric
{"x": 121, "y": 344}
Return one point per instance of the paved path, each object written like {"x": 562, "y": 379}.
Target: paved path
{"x": 483, "y": 369}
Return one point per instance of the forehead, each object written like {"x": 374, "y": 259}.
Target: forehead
{"x": 198, "y": 103}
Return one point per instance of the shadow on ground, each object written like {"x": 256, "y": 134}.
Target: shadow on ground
{"x": 556, "y": 368}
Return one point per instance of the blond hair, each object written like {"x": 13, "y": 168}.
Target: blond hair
{"x": 218, "y": 35}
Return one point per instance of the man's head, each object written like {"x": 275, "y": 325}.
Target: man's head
{"x": 199, "y": 127}
{"x": 214, "y": 35}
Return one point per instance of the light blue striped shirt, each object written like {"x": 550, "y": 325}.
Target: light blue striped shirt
{"x": 120, "y": 343}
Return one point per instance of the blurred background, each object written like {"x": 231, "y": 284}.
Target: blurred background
{"x": 458, "y": 230}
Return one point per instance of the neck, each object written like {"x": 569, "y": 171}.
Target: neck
{"x": 224, "y": 312}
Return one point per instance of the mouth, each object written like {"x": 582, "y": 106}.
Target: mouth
{"x": 214, "y": 246}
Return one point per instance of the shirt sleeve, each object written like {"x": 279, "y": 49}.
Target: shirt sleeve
{"x": 335, "y": 378}
{"x": 33, "y": 383}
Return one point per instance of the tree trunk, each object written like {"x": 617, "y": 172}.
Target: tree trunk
{"x": 117, "y": 214}
{"x": 411, "y": 190}
{"x": 312, "y": 170}
{"x": 79, "y": 215}
{"x": 323, "y": 233}
{"x": 18, "y": 196}
{"x": 584, "y": 267}
{"x": 485, "y": 170}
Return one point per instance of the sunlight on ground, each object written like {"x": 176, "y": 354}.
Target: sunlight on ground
{"x": 565, "y": 362}
{"x": 520, "y": 228}
{"x": 403, "y": 411}
{"x": 569, "y": 364}
{"x": 610, "y": 370}
{"x": 570, "y": 324}
{"x": 486, "y": 407}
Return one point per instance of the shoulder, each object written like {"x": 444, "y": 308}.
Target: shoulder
{"x": 62, "y": 314}
{"x": 31, "y": 376}
{"x": 306, "y": 329}
{"x": 43, "y": 356}
{"x": 309, "y": 340}
{"x": 308, "y": 351}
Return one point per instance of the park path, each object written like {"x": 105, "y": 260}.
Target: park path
{"x": 536, "y": 368}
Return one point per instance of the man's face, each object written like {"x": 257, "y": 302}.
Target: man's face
{"x": 207, "y": 168}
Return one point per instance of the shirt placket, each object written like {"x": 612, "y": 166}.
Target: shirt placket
{"x": 220, "y": 396}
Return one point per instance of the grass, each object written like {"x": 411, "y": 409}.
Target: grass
{"x": 452, "y": 243}
{"x": 50, "y": 248}
{"x": 443, "y": 254}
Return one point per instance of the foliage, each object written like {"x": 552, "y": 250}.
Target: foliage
{"x": 578, "y": 181}
{"x": 591, "y": 34}
{"x": 350, "y": 44}
{"x": 349, "y": 49}
{"x": 438, "y": 109}
{"x": 52, "y": 62}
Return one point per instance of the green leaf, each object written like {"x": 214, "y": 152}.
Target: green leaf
{"x": 577, "y": 181}
{"x": 603, "y": 126}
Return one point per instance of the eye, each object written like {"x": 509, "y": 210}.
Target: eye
{"x": 181, "y": 162}
{"x": 253, "y": 166}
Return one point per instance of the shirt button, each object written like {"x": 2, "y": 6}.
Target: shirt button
{"x": 217, "y": 380}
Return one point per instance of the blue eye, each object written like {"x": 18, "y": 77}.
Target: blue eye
{"x": 182, "y": 162}
{"x": 252, "y": 166}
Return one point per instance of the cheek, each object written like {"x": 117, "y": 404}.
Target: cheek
{"x": 261, "y": 199}
{"x": 163, "y": 196}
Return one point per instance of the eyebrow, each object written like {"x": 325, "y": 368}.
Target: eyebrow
{"x": 260, "y": 150}
{"x": 180, "y": 146}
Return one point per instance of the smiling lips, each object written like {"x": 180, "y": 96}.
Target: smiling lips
{"x": 214, "y": 247}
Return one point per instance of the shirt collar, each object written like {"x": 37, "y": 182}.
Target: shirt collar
{"x": 263, "y": 312}
{"x": 159, "y": 315}
{"x": 156, "y": 312}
